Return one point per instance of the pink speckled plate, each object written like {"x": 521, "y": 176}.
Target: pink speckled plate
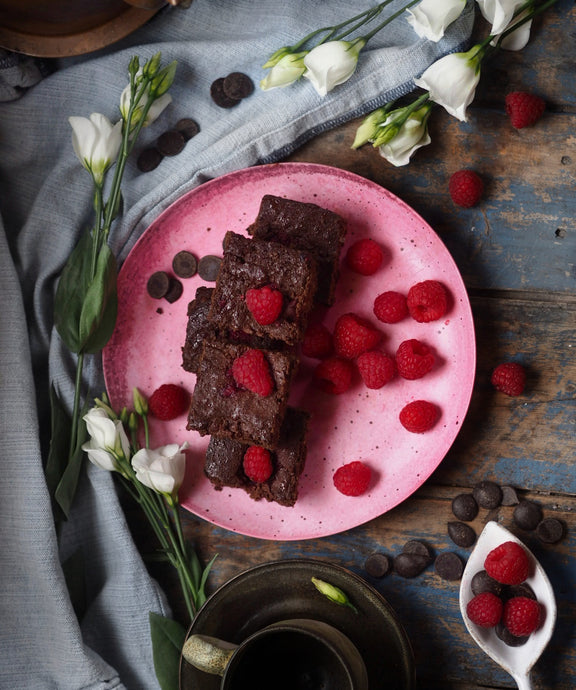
{"x": 145, "y": 350}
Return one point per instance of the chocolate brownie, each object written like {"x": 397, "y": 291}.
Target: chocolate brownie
{"x": 222, "y": 408}
{"x": 224, "y": 458}
{"x": 307, "y": 227}
{"x": 250, "y": 263}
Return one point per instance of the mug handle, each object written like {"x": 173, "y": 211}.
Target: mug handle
{"x": 208, "y": 654}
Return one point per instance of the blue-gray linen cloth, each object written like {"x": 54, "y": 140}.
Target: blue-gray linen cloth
{"x": 45, "y": 202}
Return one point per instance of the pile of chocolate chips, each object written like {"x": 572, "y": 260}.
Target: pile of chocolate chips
{"x": 163, "y": 285}
{"x": 169, "y": 143}
{"x": 228, "y": 91}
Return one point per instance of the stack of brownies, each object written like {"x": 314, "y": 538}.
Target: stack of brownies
{"x": 294, "y": 249}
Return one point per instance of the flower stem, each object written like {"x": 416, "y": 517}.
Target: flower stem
{"x": 76, "y": 409}
{"x": 380, "y": 26}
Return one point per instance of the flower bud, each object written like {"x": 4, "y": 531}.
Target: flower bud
{"x": 332, "y": 592}
{"x": 330, "y": 64}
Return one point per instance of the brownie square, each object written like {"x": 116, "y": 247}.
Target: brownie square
{"x": 249, "y": 263}
{"x": 224, "y": 459}
{"x": 220, "y": 407}
{"x": 198, "y": 329}
{"x": 307, "y": 227}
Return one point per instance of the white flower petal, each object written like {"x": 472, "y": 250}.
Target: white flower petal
{"x": 431, "y": 18}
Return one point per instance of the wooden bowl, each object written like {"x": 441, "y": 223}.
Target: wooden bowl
{"x": 63, "y": 28}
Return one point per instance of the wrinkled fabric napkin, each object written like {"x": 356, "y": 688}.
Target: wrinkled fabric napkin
{"x": 45, "y": 201}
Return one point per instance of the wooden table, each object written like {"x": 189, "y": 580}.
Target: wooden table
{"x": 516, "y": 253}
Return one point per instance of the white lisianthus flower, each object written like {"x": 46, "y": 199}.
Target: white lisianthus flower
{"x": 431, "y": 18}
{"x": 452, "y": 80}
{"x": 96, "y": 142}
{"x": 412, "y": 135}
{"x": 162, "y": 469}
{"x": 517, "y": 39}
{"x": 107, "y": 441}
{"x": 499, "y": 12}
{"x": 331, "y": 64}
{"x": 157, "y": 107}
{"x": 285, "y": 72}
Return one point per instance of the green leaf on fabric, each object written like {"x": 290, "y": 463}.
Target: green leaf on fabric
{"x": 59, "y": 450}
{"x": 66, "y": 489}
{"x": 85, "y": 307}
{"x": 168, "y": 638}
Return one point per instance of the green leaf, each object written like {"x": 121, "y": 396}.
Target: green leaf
{"x": 59, "y": 450}
{"x": 85, "y": 306}
{"x": 168, "y": 638}
{"x": 66, "y": 489}
{"x": 98, "y": 315}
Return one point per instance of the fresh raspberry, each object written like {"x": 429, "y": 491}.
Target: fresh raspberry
{"x": 352, "y": 479}
{"x": 168, "y": 402}
{"x": 252, "y": 371}
{"x": 265, "y": 303}
{"x": 390, "y": 307}
{"x": 414, "y": 359}
{"x": 427, "y": 301}
{"x": 354, "y": 335}
{"x": 376, "y": 368}
{"x": 364, "y": 257}
{"x": 257, "y": 464}
{"x": 524, "y": 109}
{"x": 485, "y": 609}
{"x": 334, "y": 375}
{"x": 419, "y": 416}
{"x": 317, "y": 342}
{"x": 522, "y": 616}
{"x": 509, "y": 378}
{"x": 466, "y": 188}
{"x": 508, "y": 563}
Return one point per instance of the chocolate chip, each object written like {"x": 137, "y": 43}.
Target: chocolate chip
{"x": 187, "y": 127}
{"x": 410, "y": 564}
{"x": 521, "y": 590}
{"x": 218, "y": 95}
{"x": 170, "y": 143}
{"x": 158, "y": 284}
{"x": 464, "y": 507}
{"x": 509, "y": 496}
{"x": 527, "y": 514}
{"x": 418, "y": 547}
{"x": 551, "y": 530}
{"x": 487, "y": 494}
{"x": 449, "y": 566}
{"x": 185, "y": 264}
{"x": 237, "y": 85}
{"x": 149, "y": 159}
{"x": 507, "y": 637}
{"x": 482, "y": 582}
{"x": 378, "y": 564}
{"x": 461, "y": 534}
{"x": 174, "y": 291}
{"x": 208, "y": 267}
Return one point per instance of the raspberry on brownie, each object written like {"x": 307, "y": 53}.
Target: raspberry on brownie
{"x": 225, "y": 458}
{"x": 250, "y": 264}
{"x": 306, "y": 227}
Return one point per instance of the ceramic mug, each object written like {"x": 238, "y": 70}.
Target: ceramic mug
{"x": 295, "y": 654}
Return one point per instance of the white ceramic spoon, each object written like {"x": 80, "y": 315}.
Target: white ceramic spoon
{"x": 517, "y": 661}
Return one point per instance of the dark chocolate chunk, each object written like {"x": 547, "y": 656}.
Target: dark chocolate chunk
{"x": 187, "y": 127}
{"x": 509, "y": 496}
{"x": 410, "y": 564}
{"x": 185, "y": 264}
{"x": 158, "y": 284}
{"x": 482, "y": 582}
{"x": 551, "y": 530}
{"x": 219, "y": 96}
{"x": 464, "y": 507}
{"x": 487, "y": 494}
{"x": 238, "y": 85}
{"x": 170, "y": 143}
{"x": 208, "y": 267}
{"x": 507, "y": 637}
{"x": 527, "y": 514}
{"x": 461, "y": 533}
{"x": 521, "y": 590}
{"x": 418, "y": 547}
{"x": 149, "y": 159}
{"x": 449, "y": 566}
{"x": 378, "y": 564}
{"x": 174, "y": 291}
